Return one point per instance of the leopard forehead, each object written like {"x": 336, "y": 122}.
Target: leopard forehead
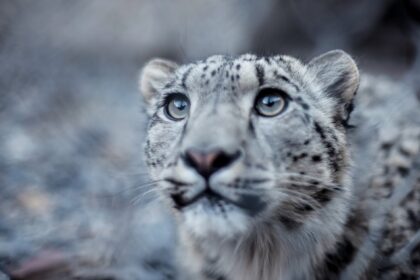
{"x": 241, "y": 74}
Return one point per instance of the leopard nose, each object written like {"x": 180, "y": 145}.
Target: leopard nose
{"x": 208, "y": 162}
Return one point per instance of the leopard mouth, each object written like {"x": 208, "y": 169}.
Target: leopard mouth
{"x": 251, "y": 204}
{"x": 181, "y": 201}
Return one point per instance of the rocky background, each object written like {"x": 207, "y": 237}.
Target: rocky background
{"x": 75, "y": 200}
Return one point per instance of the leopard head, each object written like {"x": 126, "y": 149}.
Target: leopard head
{"x": 239, "y": 142}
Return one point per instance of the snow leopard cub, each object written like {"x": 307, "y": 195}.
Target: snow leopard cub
{"x": 252, "y": 155}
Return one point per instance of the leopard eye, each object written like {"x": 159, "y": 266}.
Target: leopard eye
{"x": 270, "y": 102}
{"x": 177, "y": 106}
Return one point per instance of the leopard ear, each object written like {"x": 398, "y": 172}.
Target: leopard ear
{"x": 338, "y": 76}
{"x": 153, "y": 76}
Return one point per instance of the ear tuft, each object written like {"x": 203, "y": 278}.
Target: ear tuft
{"x": 338, "y": 75}
{"x": 153, "y": 76}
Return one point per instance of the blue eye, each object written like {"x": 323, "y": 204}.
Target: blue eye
{"x": 270, "y": 102}
{"x": 177, "y": 107}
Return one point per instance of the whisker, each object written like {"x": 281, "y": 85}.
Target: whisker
{"x": 298, "y": 175}
{"x": 319, "y": 186}
{"x": 141, "y": 196}
{"x": 133, "y": 173}
{"x": 310, "y": 201}
{"x": 307, "y": 178}
{"x": 141, "y": 186}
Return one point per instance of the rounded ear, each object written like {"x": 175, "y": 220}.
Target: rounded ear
{"x": 338, "y": 76}
{"x": 153, "y": 76}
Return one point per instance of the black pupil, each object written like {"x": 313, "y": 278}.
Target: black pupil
{"x": 180, "y": 104}
{"x": 270, "y": 100}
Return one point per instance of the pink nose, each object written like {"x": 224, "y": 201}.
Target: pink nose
{"x": 208, "y": 162}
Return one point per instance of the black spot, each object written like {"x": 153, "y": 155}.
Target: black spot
{"x": 184, "y": 78}
{"x": 314, "y": 182}
{"x": 316, "y": 158}
{"x": 260, "y": 74}
{"x": 412, "y": 217}
{"x": 404, "y": 152}
{"x": 232, "y": 78}
{"x": 305, "y": 106}
{"x": 237, "y": 76}
{"x": 403, "y": 171}
{"x": 289, "y": 223}
{"x": 301, "y": 156}
{"x": 388, "y": 184}
{"x": 205, "y": 68}
{"x": 251, "y": 127}
{"x": 238, "y": 66}
{"x": 285, "y": 79}
{"x": 207, "y": 82}
{"x": 343, "y": 254}
{"x": 304, "y": 208}
{"x": 386, "y": 146}
{"x": 302, "y": 103}
{"x": 323, "y": 196}
{"x": 281, "y": 77}
{"x": 213, "y": 72}
{"x": 266, "y": 59}
{"x": 307, "y": 142}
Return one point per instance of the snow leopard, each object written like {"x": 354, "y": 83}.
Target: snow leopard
{"x": 279, "y": 169}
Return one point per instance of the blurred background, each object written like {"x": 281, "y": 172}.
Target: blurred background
{"x": 75, "y": 202}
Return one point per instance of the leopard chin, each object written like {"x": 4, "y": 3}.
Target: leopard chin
{"x": 209, "y": 216}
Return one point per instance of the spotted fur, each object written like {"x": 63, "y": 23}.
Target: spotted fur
{"x": 288, "y": 207}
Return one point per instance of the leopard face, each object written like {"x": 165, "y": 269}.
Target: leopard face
{"x": 234, "y": 143}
